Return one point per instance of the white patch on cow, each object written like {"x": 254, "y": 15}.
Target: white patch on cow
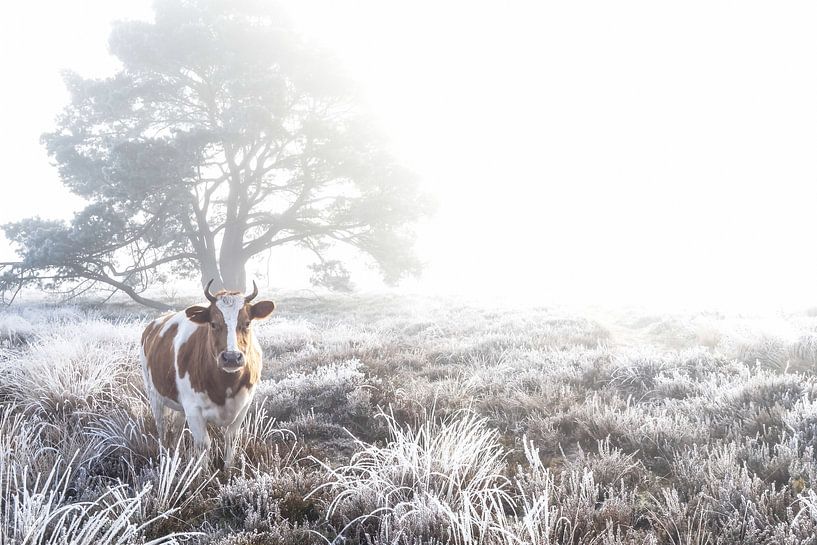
{"x": 185, "y": 331}
{"x": 179, "y": 319}
{"x": 161, "y": 319}
{"x": 230, "y": 306}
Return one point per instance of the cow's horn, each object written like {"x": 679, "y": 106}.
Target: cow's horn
{"x": 210, "y": 296}
{"x": 251, "y": 296}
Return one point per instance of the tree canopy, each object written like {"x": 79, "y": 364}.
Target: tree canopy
{"x": 223, "y": 135}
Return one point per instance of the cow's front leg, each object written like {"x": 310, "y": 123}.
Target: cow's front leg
{"x": 230, "y": 436}
{"x": 198, "y": 428}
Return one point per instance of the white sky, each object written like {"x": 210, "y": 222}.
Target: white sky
{"x": 638, "y": 152}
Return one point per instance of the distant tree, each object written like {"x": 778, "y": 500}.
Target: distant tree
{"x": 223, "y": 135}
{"x": 331, "y": 274}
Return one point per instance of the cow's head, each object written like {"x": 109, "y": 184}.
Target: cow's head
{"x": 229, "y": 318}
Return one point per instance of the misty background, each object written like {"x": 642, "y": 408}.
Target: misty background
{"x": 632, "y": 153}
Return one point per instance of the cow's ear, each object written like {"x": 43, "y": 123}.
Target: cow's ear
{"x": 261, "y": 310}
{"x": 198, "y": 315}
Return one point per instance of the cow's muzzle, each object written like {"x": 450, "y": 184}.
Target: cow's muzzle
{"x": 231, "y": 360}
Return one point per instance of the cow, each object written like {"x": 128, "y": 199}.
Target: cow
{"x": 205, "y": 362}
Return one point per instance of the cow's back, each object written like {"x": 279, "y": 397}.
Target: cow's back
{"x": 159, "y": 353}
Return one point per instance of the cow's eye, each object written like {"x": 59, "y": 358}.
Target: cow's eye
{"x": 213, "y": 325}
{"x": 247, "y": 325}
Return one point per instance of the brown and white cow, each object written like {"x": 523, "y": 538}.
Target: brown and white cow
{"x": 205, "y": 362}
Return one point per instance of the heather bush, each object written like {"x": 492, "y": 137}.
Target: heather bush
{"x": 335, "y": 389}
{"x": 278, "y": 497}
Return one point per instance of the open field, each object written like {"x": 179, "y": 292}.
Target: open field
{"x": 396, "y": 420}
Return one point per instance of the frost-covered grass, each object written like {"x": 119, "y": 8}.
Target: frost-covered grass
{"x": 442, "y": 479}
{"x": 413, "y": 420}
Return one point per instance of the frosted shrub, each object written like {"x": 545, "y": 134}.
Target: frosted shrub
{"x": 804, "y": 352}
{"x": 802, "y": 420}
{"x": 674, "y": 332}
{"x": 336, "y": 390}
{"x": 49, "y": 316}
{"x": 20, "y": 443}
{"x": 280, "y": 335}
{"x": 282, "y": 534}
{"x": 768, "y": 342}
{"x": 609, "y": 465}
{"x": 271, "y": 499}
{"x": 637, "y": 373}
{"x": 14, "y": 329}
{"x": 443, "y": 478}
{"x": 570, "y": 505}
{"x": 574, "y": 331}
{"x": 677, "y": 523}
{"x": 119, "y": 433}
{"x": 38, "y": 512}
{"x": 258, "y": 441}
{"x": 30, "y": 503}
{"x": 69, "y": 370}
{"x": 259, "y": 426}
{"x": 175, "y": 482}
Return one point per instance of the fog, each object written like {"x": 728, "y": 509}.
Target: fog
{"x": 636, "y": 152}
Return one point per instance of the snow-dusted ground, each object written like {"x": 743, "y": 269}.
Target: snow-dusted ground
{"x": 415, "y": 420}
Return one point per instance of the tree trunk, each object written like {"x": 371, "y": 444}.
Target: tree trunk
{"x": 233, "y": 270}
{"x": 211, "y": 273}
